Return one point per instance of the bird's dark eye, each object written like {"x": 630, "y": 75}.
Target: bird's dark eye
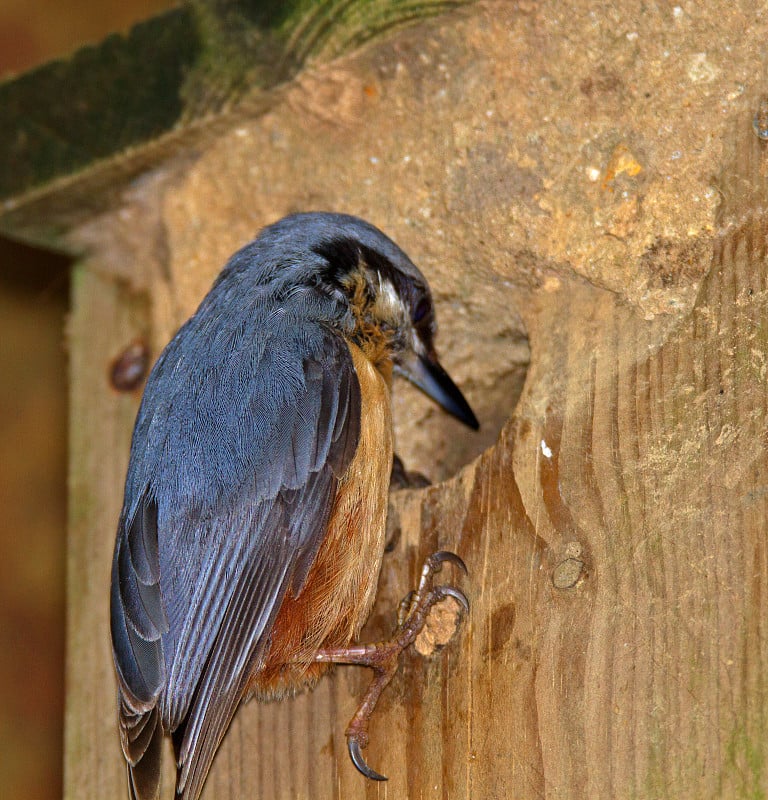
{"x": 421, "y": 310}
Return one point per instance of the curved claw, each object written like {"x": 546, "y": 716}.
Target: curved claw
{"x": 446, "y": 555}
{"x": 456, "y": 594}
{"x": 357, "y": 759}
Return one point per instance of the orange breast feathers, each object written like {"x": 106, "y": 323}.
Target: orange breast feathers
{"x": 338, "y": 593}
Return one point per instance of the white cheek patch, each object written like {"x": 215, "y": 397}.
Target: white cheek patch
{"x": 416, "y": 344}
{"x": 389, "y": 306}
{"x": 389, "y": 298}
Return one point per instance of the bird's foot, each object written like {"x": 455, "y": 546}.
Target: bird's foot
{"x": 383, "y": 657}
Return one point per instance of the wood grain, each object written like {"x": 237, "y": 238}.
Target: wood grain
{"x": 645, "y": 676}
{"x": 105, "y": 318}
{"x": 614, "y": 534}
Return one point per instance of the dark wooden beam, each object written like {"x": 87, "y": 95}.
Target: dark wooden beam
{"x": 73, "y": 132}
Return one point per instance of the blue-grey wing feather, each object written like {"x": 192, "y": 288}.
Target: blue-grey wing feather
{"x": 232, "y": 475}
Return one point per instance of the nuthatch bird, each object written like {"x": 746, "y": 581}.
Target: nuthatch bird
{"x": 252, "y": 530}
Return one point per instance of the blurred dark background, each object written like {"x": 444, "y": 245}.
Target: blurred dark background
{"x": 34, "y": 287}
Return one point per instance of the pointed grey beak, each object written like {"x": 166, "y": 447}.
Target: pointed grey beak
{"x": 436, "y": 383}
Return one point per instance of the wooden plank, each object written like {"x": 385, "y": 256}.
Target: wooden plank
{"x": 615, "y": 530}
{"x": 76, "y": 131}
{"x": 644, "y": 675}
{"x": 105, "y": 318}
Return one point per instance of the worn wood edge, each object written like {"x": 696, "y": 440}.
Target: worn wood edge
{"x": 234, "y": 69}
{"x": 105, "y": 317}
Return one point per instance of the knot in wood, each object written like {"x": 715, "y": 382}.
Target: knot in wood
{"x": 568, "y": 572}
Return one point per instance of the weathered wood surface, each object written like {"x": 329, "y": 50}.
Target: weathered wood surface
{"x": 76, "y": 131}
{"x": 615, "y": 529}
{"x": 103, "y": 315}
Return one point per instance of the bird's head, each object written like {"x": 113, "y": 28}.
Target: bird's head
{"x": 392, "y": 313}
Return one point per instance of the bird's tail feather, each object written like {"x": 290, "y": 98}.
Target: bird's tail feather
{"x": 141, "y": 736}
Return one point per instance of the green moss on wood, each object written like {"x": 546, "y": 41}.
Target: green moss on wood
{"x": 65, "y": 118}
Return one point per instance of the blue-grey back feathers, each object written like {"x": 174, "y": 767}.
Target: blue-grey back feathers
{"x": 249, "y": 418}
